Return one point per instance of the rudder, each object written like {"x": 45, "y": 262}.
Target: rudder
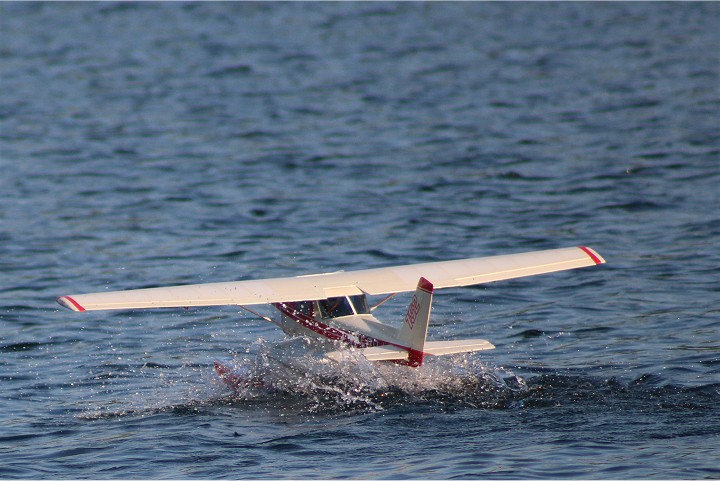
{"x": 414, "y": 330}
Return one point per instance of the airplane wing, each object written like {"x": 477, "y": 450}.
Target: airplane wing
{"x": 384, "y": 280}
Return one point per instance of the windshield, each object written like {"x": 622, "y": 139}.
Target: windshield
{"x": 360, "y": 304}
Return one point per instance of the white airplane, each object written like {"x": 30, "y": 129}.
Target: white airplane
{"x": 334, "y": 306}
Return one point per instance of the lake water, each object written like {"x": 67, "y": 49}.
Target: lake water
{"x": 170, "y": 143}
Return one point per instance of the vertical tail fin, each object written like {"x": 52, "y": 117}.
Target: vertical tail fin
{"x": 415, "y": 327}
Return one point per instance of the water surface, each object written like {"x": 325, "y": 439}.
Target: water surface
{"x": 166, "y": 143}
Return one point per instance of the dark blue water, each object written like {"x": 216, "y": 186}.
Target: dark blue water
{"x": 164, "y": 143}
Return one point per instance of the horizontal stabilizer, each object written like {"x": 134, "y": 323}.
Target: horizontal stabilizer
{"x": 439, "y": 348}
{"x": 378, "y": 353}
{"x": 432, "y": 348}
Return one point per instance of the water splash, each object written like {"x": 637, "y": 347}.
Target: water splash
{"x": 294, "y": 378}
{"x": 296, "y": 370}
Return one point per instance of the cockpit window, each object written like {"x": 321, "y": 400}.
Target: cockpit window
{"x": 360, "y": 304}
{"x": 335, "y": 307}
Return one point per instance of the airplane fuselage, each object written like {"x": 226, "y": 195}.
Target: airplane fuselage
{"x": 341, "y": 319}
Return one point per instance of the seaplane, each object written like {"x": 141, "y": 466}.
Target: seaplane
{"x": 334, "y": 306}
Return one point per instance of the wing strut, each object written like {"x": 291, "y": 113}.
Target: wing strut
{"x": 264, "y": 318}
{"x": 385, "y": 299}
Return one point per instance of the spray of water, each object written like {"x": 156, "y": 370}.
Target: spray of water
{"x": 294, "y": 376}
{"x": 298, "y": 369}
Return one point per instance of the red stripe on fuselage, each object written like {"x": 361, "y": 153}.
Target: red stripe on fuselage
{"x": 332, "y": 333}
{"x": 356, "y": 340}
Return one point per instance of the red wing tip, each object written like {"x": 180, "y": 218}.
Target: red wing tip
{"x": 70, "y": 303}
{"x": 425, "y": 285}
{"x": 596, "y": 258}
